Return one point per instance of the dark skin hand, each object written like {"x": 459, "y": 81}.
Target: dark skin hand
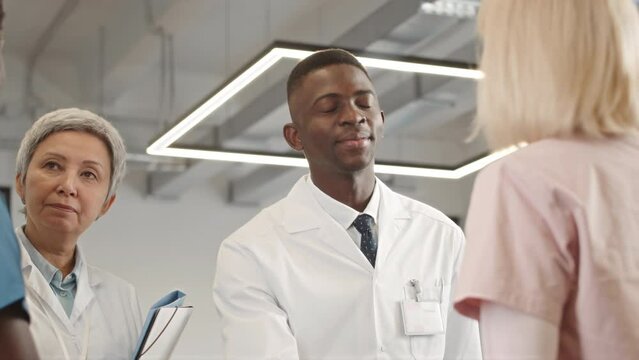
{"x": 16, "y": 342}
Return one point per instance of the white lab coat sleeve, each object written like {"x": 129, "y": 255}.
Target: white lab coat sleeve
{"x": 254, "y": 326}
{"x": 462, "y": 333}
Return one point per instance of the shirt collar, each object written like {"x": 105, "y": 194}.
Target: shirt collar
{"x": 343, "y": 214}
{"x": 50, "y": 273}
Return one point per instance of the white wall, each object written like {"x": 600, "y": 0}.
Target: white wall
{"x": 160, "y": 245}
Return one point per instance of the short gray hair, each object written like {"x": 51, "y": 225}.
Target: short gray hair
{"x": 73, "y": 119}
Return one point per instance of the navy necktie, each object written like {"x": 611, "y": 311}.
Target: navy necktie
{"x": 364, "y": 225}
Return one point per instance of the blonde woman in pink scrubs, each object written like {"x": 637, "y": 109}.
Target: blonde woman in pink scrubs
{"x": 551, "y": 268}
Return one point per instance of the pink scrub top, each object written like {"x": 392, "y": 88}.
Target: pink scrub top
{"x": 553, "y": 231}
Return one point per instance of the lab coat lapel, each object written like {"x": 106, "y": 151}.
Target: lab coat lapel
{"x": 38, "y": 287}
{"x": 84, "y": 294}
{"x": 302, "y": 213}
{"x": 393, "y": 218}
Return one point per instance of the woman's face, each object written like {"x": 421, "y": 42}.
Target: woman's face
{"x": 67, "y": 183}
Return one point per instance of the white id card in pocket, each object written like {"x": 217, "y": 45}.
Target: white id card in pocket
{"x": 422, "y": 317}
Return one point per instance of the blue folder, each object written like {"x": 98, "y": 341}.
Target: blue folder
{"x": 172, "y": 300}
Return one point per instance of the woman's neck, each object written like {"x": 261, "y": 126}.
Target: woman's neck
{"x": 57, "y": 249}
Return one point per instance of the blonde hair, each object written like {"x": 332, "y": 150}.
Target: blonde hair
{"x": 558, "y": 68}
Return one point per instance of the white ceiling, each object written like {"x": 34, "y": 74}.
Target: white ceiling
{"x": 143, "y": 63}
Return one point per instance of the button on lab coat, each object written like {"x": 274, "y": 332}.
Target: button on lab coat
{"x": 109, "y": 302}
{"x": 292, "y": 284}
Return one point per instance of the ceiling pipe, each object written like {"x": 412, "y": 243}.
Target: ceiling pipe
{"x": 101, "y": 55}
{"x": 32, "y": 101}
{"x": 167, "y": 65}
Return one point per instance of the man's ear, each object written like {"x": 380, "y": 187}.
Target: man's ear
{"x": 292, "y": 137}
{"x": 381, "y": 128}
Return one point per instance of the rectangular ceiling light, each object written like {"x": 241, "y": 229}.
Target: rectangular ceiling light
{"x": 278, "y": 51}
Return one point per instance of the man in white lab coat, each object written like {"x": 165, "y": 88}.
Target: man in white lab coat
{"x": 343, "y": 267}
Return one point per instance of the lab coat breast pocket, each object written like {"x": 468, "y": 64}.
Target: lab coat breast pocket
{"x": 424, "y": 315}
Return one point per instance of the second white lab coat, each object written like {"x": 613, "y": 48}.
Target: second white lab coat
{"x": 105, "y": 308}
{"x": 292, "y": 284}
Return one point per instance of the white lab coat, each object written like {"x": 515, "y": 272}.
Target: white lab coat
{"x": 105, "y": 311}
{"x": 292, "y": 284}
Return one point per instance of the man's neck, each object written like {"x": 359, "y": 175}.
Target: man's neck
{"x": 353, "y": 190}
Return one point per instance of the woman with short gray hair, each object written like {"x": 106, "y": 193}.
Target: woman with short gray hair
{"x": 68, "y": 168}
{"x": 74, "y": 119}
